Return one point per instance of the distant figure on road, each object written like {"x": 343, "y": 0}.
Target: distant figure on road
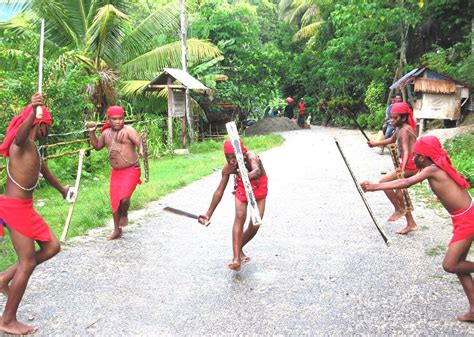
{"x": 258, "y": 180}
{"x": 301, "y": 113}
{"x": 121, "y": 141}
{"x": 16, "y": 208}
{"x": 289, "y": 108}
{"x": 451, "y": 189}
{"x": 404, "y": 136}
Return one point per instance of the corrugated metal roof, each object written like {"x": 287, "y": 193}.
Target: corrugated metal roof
{"x": 407, "y": 78}
{"x": 181, "y": 76}
{"x": 434, "y": 86}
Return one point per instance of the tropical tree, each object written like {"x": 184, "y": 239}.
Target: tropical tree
{"x": 99, "y": 35}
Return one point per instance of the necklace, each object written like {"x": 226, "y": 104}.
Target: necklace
{"x": 114, "y": 146}
{"x": 27, "y": 189}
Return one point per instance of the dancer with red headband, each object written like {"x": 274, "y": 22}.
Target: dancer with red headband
{"x": 24, "y": 165}
{"x": 401, "y": 117}
{"x": 451, "y": 189}
{"x": 121, "y": 141}
{"x": 258, "y": 180}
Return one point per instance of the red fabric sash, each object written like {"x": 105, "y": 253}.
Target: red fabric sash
{"x": 463, "y": 224}
{"x": 429, "y": 146}
{"x": 122, "y": 184}
{"x": 20, "y": 216}
{"x": 259, "y": 187}
{"x": 15, "y": 124}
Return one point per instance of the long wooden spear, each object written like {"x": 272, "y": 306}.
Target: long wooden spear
{"x": 382, "y": 233}
{"x": 39, "y": 108}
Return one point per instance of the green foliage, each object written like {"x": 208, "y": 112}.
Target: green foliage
{"x": 374, "y": 96}
{"x": 460, "y": 149}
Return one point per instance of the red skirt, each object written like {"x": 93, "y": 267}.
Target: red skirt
{"x": 259, "y": 187}
{"x": 122, "y": 184}
{"x": 20, "y": 216}
{"x": 463, "y": 224}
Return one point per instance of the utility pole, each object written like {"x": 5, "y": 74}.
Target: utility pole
{"x": 188, "y": 115}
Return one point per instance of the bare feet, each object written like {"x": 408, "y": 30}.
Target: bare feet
{"x": 396, "y": 215}
{"x": 17, "y": 328}
{"x": 407, "y": 229}
{"x": 234, "y": 265}
{"x": 467, "y": 317}
{"x": 123, "y": 222}
{"x": 115, "y": 235}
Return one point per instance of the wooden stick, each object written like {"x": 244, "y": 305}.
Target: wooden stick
{"x": 39, "y": 108}
{"x": 359, "y": 189}
{"x": 76, "y": 189}
{"x": 251, "y": 201}
{"x": 66, "y": 153}
{"x": 357, "y": 123}
{"x": 396, "y": 164}
{"x": 67, "y": 143}
{"x": 146, "y": 165}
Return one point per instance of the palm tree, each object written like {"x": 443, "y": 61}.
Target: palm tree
{"x": 305, "y": 13}
{"x": 99, "y": 35}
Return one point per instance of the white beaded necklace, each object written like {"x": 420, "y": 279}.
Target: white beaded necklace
{"x": 29, "y": 189}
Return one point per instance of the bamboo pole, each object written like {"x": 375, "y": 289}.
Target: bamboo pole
{"x": 76, "y": 189}
{"x": 66, "y": 153}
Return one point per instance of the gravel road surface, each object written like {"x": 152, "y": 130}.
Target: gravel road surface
{"x": 318, "y": 265}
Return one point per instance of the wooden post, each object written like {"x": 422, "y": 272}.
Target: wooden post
{"x": 170, "y": 113}
{"x": 183, "y": 132}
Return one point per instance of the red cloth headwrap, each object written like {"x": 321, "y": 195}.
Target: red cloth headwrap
{"x": 403, "y": 109}
{"x": 114, "y": 110}
{"x": 229, "y": 149}
{"x": 429, "y": 146}
{"x": 15, "y": 124}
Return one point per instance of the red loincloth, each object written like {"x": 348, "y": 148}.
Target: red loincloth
{"x": 259, "y": 187}
{"x": 122, "y": 184}
{"x": 19, "y": 215}
{"x": 463, "y": 224}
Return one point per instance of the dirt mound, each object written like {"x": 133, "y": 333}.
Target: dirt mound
{"x": 445, "y": 134}
{"x": 269, "y": 125}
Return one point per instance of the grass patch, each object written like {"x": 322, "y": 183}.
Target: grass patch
{"x": 92, "y": 208}
{"x": 436, "y": 250}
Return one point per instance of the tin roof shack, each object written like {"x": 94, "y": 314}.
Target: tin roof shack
{"x": 437, "y": 96}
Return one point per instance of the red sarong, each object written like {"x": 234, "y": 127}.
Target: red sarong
{"x": 19, "y": 215}
{"x": 259, "y": 187}
{"x": 122, "y": 184}
{"x": 463, "y": 224}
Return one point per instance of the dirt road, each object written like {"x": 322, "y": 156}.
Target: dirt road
{"x": 318, "y": 264}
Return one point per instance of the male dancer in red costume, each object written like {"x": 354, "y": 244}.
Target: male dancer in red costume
{"x": 16, "y": 209}
{"x": 404, "y": 136}
{"x": 258, "y": 180}
{"x": 121, "y": 141}
{"x": 451, "y": 189}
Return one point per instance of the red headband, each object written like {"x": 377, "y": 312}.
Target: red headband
{"x": 403, "y": 109}
{"x": 112, "y": 111}
{"x": 229, "y": 149}
{"x": 17, "y": 121}
{"x": 429, "y": 146}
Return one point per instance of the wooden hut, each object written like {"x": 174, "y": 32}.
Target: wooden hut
{"x": 434, "y": 95}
